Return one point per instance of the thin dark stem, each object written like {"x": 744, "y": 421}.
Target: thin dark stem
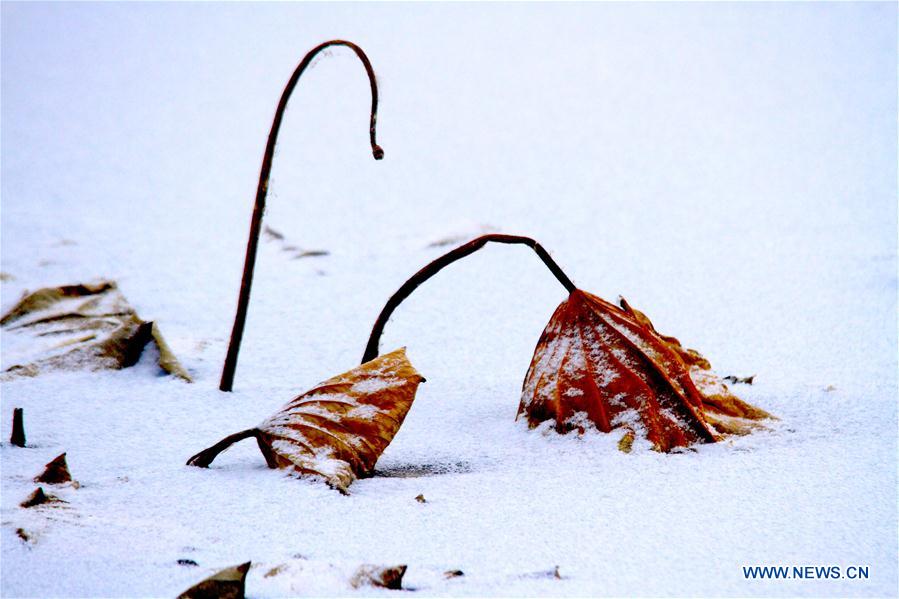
{"x": 262, "y": 189}
{"x": 372, "y": 349}
{"x": 205, "y": 457}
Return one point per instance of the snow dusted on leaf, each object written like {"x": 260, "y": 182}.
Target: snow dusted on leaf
{"x": 338, "y": 430}
{"x": 601, "y": 365}
{"x": 78, "y": 327}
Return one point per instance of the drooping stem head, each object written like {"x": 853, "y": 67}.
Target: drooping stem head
{"x": 376, "y": 150}
{"x": 246, "y": 283}
{"x": 431, "y": 269}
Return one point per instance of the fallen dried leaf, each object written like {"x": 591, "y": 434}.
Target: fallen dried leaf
{"x": 453, "y": 573}
{"x": 76, "y": 327}
{"x": 554, "y": 574}
{"x": 338, "y": 430}
{"x": 229, "y": 583}
{"x": 420, "y": 498}
{"x": 272, "y": 234}
{"x": 56, "y": 472}
{"x": 379, "y": 576}
{"x": 38, "y": 497}
{"x": 310, "y": 254}
{"x": 274, "y": 571}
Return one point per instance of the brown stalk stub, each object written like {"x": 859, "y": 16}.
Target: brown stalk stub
{"x": 17, "y": 437}
{"x": 56, "y": 472}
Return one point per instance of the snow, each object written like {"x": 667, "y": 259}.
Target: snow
{"x": 729, "y": 168}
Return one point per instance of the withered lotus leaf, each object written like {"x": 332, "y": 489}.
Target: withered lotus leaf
{"x": 601, "y": 365}
{"x": 229, "y": 583}
{"x": 724, "y": 410}
{"x": 369, "y": 575}
{"x": 79, "y": 327}
{"x": 39, "y": 497}
{"x": 56, "y": 472}
{"x": 338, "y": 430}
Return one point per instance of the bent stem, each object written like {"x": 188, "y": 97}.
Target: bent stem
{"x": 205, "y": 457}
{"x": 372, "y": 349}
{"x": 246, "y": 282}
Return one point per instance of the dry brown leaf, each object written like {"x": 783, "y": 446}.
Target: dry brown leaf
{"x": 39, "y": 497}
{"x": 379, "y": 576}
{"x": 725, "y": 411}
{"x": 338, "y": 430}
{"x": 75, "y": 327}
{"x": 229, "y": 583}
{"x": 601, "y": 365}
{"x": 56, "y": 472}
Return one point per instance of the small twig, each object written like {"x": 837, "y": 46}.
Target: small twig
{"x": 372, "y": 349}
{"x": 246, "y": 282}
{"x": 18, "y": 428}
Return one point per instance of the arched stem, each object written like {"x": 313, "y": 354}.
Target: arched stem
{"x": 205, "y": 457}
{"x": 262, "y": 190}
{"x": 372, "y": 349}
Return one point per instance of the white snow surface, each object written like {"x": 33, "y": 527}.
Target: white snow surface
{"x": 728, "y": 168}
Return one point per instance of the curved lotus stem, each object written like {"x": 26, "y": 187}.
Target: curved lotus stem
{"x": 371, "y": 350}
{"x": 205, "y": 457}
{"x": 256, "y": 222}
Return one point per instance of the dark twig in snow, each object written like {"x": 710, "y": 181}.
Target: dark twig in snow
{"x": 372, "y": 349}
{"x": 246, "y": 282}
{"x": 18, "y": 428}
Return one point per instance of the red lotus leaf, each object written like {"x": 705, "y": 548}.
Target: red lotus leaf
{"x": 601, "y": 365}
{"x": 724, "y": 410}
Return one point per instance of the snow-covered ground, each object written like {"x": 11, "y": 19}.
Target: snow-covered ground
{"x": 730, "y": 169}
